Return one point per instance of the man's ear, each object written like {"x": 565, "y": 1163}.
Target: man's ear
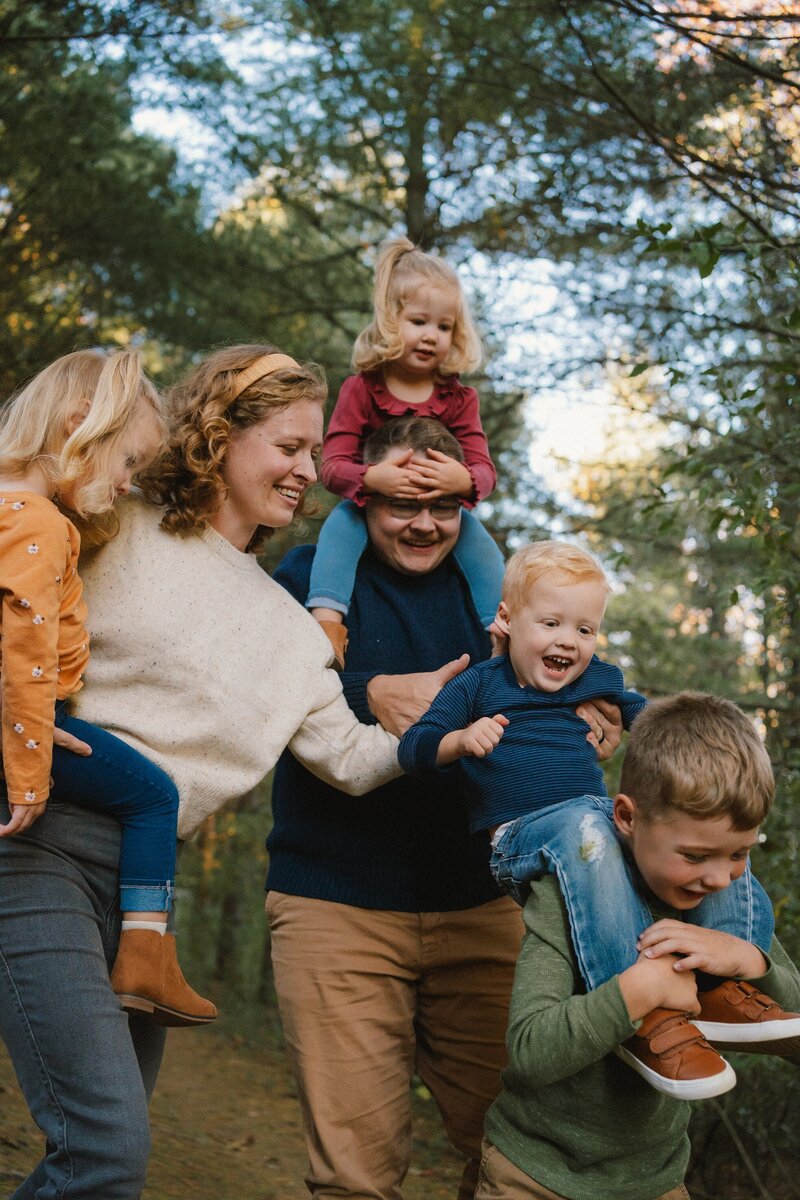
{"x": 503, "y": 618}
{"x": 77, "y": 416}
{"x": 624, "y": 814}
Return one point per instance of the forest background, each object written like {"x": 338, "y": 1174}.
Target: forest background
{"x": 617, "y": 182}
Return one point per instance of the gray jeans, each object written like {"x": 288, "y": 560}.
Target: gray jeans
{"x": 85, "y": 1072}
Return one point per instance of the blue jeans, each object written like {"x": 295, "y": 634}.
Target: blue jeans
{"x": 577, "y": 842}
{"x": 85, "y": 1070}
{"x": 117, "y": 779}
{"x": 343, "y": 539}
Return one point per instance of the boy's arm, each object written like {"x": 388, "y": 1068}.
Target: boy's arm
{"x": 554, "y": 1030}
{"x": 726, "y": 956}
{"x": 476, "y": 741}
{"x": 451, "y": 711}
{"x": 631, "y": 704}
{"x": 781, "y": 980}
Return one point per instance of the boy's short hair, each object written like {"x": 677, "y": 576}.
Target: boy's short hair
{"x": 701, "y": 755}
{"x": 412, "y": 433}
{"x": 532, "y": 562}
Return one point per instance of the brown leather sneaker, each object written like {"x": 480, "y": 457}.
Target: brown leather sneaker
{"x": 147, "y": 978}
{"x": 337, "y": 636}
{"x": 740, "y": 1017}
{"x": 674, "y": 1057}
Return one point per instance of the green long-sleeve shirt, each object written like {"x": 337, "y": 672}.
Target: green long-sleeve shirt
{"x": 571, "y": 1114}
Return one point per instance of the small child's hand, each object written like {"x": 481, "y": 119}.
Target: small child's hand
{"x": 477, "y": 740}
{"x": 481, "y": 737}
{"x": 22, "y": 815}
{"x": 653, "y": 983}
{"x": 441, "y": 475}
{"x": 709, "y": 950}
{"x": 393, "y": 477}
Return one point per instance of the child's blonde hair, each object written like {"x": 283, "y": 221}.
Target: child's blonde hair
{"x": 528, "y": 565}
{"x": 104, "y": 394}
{"x": 701, "y": 755}
{"x": 400, "y": 271}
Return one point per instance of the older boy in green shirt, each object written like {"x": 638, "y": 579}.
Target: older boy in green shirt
{"x": 573, "y": 1123}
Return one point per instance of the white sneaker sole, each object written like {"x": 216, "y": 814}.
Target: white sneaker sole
{"x": 753, "y": 1031}
{"x": 682, "y": 1089}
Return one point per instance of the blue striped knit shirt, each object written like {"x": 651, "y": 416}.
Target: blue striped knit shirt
{"x": 543, "y": 757}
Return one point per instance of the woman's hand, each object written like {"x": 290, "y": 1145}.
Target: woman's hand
{"x": 441, "y": 475}
{"x": 709, "y": 950}
{"x": 605, "y": 726}
{"x": 22, "y": 816}
{"x": 397, "y": 701}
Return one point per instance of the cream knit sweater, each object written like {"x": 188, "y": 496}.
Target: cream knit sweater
{"x": 204, "y": 664}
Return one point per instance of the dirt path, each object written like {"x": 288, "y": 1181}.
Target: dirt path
{"x": 226, "y": 1125}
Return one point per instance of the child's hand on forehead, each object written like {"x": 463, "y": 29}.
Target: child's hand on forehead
{"x": 393, "y": 477}
{"x": 709, "y": 950}
{"x": 441, "y": 475}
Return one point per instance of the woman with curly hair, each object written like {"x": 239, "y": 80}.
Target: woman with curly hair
{"x": 210, "y": 669}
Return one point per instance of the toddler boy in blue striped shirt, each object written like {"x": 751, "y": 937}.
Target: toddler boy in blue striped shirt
{"x": 510, "y": 727}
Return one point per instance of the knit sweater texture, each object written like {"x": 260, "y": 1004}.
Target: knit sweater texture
{"x": 572, "y": 1115}
{"x": 543, "y": 756}
{"x": 209, "y": 668}
{"x": 405, "y": 847}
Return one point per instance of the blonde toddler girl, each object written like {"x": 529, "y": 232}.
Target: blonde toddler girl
{"x": 408, "y": 359}
{"x": 75, "y": 436}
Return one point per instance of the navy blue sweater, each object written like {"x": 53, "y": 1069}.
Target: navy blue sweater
{"x": 405, "y": 846}
{"x": 542, "y": 758}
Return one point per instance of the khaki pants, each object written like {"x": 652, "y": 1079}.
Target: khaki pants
{"x": 367, "y": 998}
{"x": 500, "y": 1180}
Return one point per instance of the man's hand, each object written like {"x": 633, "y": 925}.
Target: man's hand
{"x": 441, "y": 475}
{"x": 68, "y": 741}
{"x": 605, "y": 726}
{"x": 22, "y": 815}
{"x": 476, "y": 741}
{"x": 397, "y": 701}
{"x": 708, "y": 950}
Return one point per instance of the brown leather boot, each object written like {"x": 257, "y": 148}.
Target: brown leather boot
{"x": 147, "y": 977}
{"x": 337, "y": 636}
{"x": 674, "y": 1057}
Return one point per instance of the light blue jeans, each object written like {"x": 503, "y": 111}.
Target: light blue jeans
{"x": 577, "y": 842}
{"x": 343, "y": 539}
{"x": 86, "y": 1072}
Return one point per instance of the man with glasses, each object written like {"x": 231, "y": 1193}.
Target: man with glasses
{"x": 393, "y": 951}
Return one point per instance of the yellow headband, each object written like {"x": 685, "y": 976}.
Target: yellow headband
{"x": 262, "y": 366}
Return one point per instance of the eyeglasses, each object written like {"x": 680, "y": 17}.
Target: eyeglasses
{"x": 407, "y": 510}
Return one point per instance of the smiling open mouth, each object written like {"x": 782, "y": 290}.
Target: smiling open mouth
{"x": 557, "y": 664}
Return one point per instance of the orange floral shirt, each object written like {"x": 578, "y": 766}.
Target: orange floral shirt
{"x": 44, "y": 646}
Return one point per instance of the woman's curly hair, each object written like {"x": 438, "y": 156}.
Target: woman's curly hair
{"x": 205, "y": 414}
